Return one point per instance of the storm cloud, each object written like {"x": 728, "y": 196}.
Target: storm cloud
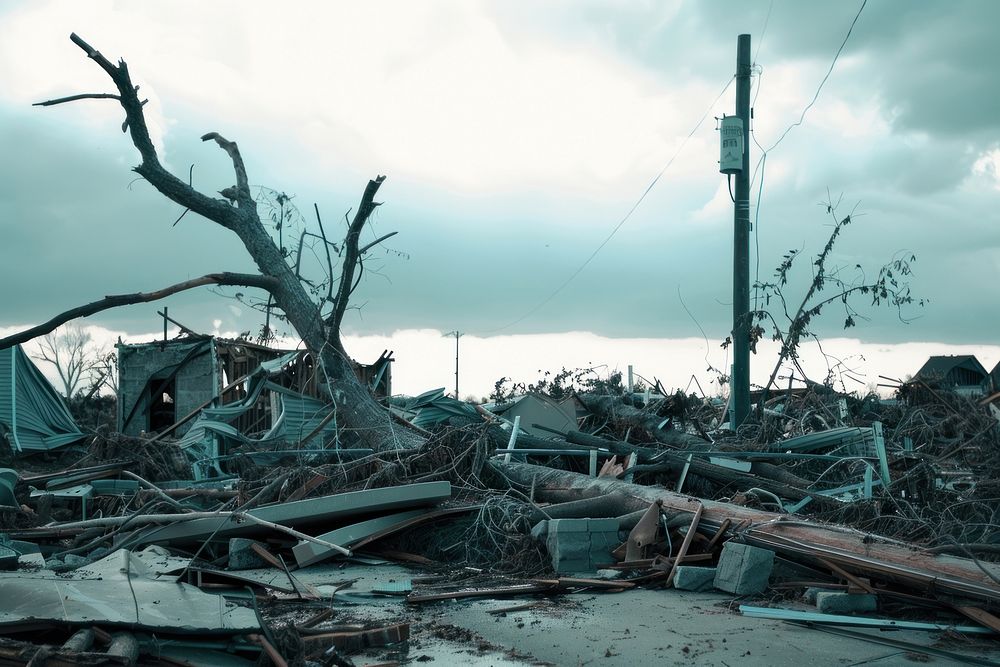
{"x": 516, "y": 136}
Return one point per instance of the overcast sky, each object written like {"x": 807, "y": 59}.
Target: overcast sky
{"x": 515, "y": 137}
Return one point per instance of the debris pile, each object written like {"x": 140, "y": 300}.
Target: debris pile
{"x": 827, "y": 510}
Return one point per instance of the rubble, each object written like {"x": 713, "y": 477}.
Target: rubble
{"x": 212, "y": 545}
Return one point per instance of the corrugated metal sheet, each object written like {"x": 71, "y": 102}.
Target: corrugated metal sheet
{"x": 30, "y": 408}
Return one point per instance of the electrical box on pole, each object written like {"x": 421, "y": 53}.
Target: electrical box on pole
{"x": 731, "y": 145}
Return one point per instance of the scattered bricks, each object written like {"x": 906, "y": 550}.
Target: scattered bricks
{"x": 242, "y": 556}
{"x": 688, "y": 578}
{"x": 846, "y": 603}
{"x": 743, "y": 569}
{"x": 579, "y": 545}
{"x": 811, "y": 593}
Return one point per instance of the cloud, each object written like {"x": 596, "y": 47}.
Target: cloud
{"x": 516, "y": 137}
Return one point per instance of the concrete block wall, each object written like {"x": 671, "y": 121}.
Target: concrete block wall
{"x": 137, "y": 364}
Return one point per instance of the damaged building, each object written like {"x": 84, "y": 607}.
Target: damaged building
{"x": 163, "y": 382}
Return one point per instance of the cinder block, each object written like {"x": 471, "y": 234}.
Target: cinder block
{"x": 846, "y": 603}
{"x": 242, "y": 557}
{"x": 743, "y": 569}
{"x": 688, "y": 578}
{"x": 579, "y": 545}
{"x": 811, "y": 593}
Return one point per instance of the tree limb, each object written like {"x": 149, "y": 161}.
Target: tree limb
{"x": 151, "y": 169}
{"x": 351, "y": 256}
{"x": 114, "y": 301}
{"x": 243, "y": 197}
{"x": 376, "y": 242}
{"x": 362, "y": 415}
{"x": 74, "y": 98}
{"x": 329, "y": 260}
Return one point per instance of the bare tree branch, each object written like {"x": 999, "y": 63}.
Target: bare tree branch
{"x": 114, "y": 301}
{"x": 352, "y": 255}
{"x": 376, "y": 242}
{"x": 366, "y": 420}
{"x": 151, "y": 169}
{"x": 74, "y": 98}
{"x": 329, "y": 260}
{"x": 243, "y": 197}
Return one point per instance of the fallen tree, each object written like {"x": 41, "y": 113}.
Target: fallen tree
{"x": 854, "y": 551}
{"x": 356, "y": 408}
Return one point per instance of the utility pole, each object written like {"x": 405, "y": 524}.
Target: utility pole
{"x": 457, "y": 335}
{"x": 740, "y": 384}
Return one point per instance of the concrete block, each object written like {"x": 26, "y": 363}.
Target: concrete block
{"x": 688, "y": 578}
{"x": 564, "y": 549}
{"x": 579, "y": 545}
{"x": 743, "y": 569}
{"x": 811, "y": 593}
{"x": 846, "y": 603}
{"x": 242, "y": 556}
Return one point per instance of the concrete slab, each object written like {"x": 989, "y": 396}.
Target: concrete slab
{"x": 639, "y": 627}
{"x": 312, "y": 511}
{"x": 308, "y": 553}
{"x": 670, "y": 627}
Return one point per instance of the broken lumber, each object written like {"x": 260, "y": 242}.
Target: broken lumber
{"x": 861, "y": 553}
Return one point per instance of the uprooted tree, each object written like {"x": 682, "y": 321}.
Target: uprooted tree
{"x": 316, "y": 322}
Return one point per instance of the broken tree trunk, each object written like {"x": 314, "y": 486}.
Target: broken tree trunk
{"x": 762, "y": 475}
{"x": 860, "y": 553}
{"x": 356, "y": 408}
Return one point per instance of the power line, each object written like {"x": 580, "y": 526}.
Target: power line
{"x": 823, "y": 82}
{"x": 763, "y": 31}
{"x": 762, "y": 162}
{"x": 628, "y": 215}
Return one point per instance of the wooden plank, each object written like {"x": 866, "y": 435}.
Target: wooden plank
{"x": 723, "y": 527}
{"x": 851, "y": 579}
{"x": 686, "y": 544}
{"x": 980, "y": 616}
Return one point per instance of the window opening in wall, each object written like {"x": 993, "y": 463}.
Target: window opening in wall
{"x": 162, "y": 407}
